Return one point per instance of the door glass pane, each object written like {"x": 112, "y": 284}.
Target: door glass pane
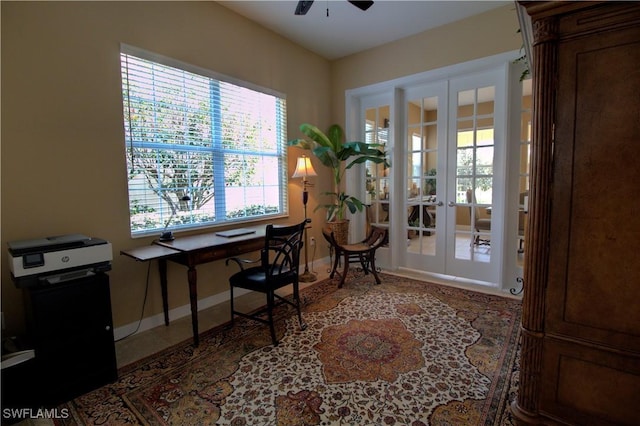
{"x": 463, "y": 242}
{"x": 466, "y": 103}
{"x": 430, "y": 173}
{"x": 465, "y": 133}
{"x": 474, "y": 174}
{"x": 378, "y": 178}
{"x": 464, "y": 162}
{"x": 422, "y": 175}
{"x": 486, "y": 96}
{"x": 484, "y": 160}
{"x": 525, "y": 159}
{"x": 484, "y": 136}
{"x": 483, "y": 192}
{"x": 462, "y": 184}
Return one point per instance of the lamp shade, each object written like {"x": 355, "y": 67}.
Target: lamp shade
{"x": 304, "y": 168}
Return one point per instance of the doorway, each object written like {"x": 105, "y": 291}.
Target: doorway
{"x": 445, "y": 197}
{"x": 451, "y": 145}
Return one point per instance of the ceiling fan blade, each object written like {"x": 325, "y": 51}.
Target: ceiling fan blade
{"x": 303, "y": 7}
{"x": 362, "y": 5}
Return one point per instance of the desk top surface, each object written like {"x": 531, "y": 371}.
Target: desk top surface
{"x": 163, "y": 249}
{"x": 212, "y": 239}
{"x": 150, "y": 252}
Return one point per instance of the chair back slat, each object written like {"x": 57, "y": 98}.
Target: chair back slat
{"x": 281, "y": 254}
{"x": 377, "y": 237}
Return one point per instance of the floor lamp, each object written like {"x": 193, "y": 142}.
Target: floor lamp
{"x": 304, "y": 169}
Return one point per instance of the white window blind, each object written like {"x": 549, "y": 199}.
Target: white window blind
{"x": 201, "y": 149}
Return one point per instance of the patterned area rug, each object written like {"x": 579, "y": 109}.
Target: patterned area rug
{"x": 405, "y": 352}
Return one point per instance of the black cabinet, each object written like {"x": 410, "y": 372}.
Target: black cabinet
{"x": 71, "y": 330}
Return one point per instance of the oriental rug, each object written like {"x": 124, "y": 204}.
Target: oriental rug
{"x": 404, "y": 352}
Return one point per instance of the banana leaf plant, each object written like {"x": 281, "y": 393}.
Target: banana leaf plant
{"x": 339, "y": 156}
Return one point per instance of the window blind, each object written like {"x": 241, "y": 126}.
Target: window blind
{"x": 200, "y": 150}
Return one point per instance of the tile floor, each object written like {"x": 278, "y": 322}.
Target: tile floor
{"x": 148, "y": 342}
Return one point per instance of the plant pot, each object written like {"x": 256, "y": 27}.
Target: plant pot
{"x": 340, "y": 231}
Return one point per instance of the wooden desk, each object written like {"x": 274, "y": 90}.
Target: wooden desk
{"x": 192, "y": 251}
{"x": 428, "y": 212}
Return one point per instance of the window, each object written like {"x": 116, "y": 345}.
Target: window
{"x": 201, "y": 149}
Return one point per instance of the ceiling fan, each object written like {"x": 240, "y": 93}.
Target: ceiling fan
{"x": 303, "y": 6}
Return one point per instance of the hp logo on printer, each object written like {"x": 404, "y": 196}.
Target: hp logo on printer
{"x": 65, "y": 259}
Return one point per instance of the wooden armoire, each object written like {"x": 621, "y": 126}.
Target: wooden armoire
{"x": 580, "y": 358}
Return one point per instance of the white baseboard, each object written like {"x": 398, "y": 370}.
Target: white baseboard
{"x": 174, "y": 314}
{"x": 459, "y": 282}
{"x": 184, "y": 310}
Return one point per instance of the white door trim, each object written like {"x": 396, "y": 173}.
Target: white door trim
{"x": 394, "y": 91}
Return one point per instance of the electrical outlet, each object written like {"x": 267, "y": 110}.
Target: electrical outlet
{"x": 313, "y": 241}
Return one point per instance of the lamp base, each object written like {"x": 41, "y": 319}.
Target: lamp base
{"x": 166, "y": 236}
{"x": 307, "y": 277}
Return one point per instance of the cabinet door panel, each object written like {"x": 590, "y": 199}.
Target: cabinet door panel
{"x": 596, "y": 209}
{"x": 589, "y": 386}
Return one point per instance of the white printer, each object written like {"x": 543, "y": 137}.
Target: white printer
{"x": 57, "y": 259}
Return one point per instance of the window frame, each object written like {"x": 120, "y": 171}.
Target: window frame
{"x": 277, "y": 151}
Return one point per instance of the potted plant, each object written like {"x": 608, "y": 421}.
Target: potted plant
{"x": 338, "y": 156}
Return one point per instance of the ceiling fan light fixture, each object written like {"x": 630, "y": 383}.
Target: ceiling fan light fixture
{"x": 303, "y": 7}
{"x": 362, "y": 5}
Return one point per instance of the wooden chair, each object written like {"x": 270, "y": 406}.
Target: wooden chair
{"x": 481, "y": 224}
{"x": 278, "y": 267}
{"x": 363, "y": 252}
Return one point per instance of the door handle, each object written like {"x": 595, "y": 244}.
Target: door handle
{"x": 451, "y": 204}
{"x": 440, "y": 204}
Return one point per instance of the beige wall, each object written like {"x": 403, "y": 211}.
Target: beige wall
{"x": 63, "y": 158}
{"x": 476, "y": 37}
{"x": 63, "y": 168}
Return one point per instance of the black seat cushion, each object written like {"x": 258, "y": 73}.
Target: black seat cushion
{"x": 256, "y": 279}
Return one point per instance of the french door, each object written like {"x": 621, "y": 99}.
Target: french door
{"x": 426, "y": 183}
{"x": 451, "y": 152}
{"x": 476, "y": 130}
{"x": 447, "y": 199}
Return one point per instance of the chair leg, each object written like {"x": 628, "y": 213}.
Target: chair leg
{"x": 364, "y": 263}
{"x": 231, "y": 299}
{"x": 372, "y": 262}
{"x": 346, "y": 269}
{"x": 336, "y": 259}
{"x": 296, "y": 298}
{"x": 270, "y": 303}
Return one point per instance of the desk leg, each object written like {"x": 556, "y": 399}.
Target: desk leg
{"x": 193, "y": 297}
{"x": 162, "y": 266}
